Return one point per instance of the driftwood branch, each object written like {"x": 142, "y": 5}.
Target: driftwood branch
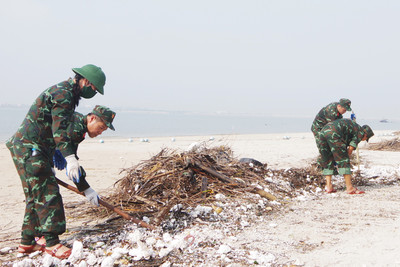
{"x": 226, "y": 179}
{"x": 213, "y": 172}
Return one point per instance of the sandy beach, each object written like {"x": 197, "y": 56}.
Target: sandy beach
{"x": 326, "y": 230}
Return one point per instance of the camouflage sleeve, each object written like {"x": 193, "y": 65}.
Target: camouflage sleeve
{"x": 61, "y": 113}
{"x": 76, "y": 131}
{"x": 331, "y": 113}
{"x": 358, "y": 134}
{"x": 328, "y": 114}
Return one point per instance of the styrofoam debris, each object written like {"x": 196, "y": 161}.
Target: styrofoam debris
{"x": 77, "y": 252}
{"x": 108, "y": 262}
{"x": 261, "y": 258}
{"x": 91, "y": 259}
{"x": 5, "y": 250}
{"x": 220, "y": 196}
{"x": 224, "y": 249}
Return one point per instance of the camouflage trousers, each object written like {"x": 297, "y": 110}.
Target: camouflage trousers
{"x": 319, "y": 159}
{"x": 44, "y": 211}
{"x": 332, "y": 149}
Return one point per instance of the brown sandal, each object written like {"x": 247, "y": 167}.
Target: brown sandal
{"x": 53, "y": 252}
{"x": 29, "y": 249}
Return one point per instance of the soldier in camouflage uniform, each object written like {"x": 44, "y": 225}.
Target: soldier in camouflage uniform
{"x": 338, "y": 139}
{"x": 331, "y": 112}
{"x": 94, "y": 123}
{"x": 32, "y": 147}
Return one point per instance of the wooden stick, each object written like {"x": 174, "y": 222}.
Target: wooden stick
{"x": 108, "y": 206}
{"x": 204, "y": 186}
{"x": 357, "y": 150}
{"x": 265, "y": 194}
{"x": 145, "y": 200}
{"x": 213, "y": 172}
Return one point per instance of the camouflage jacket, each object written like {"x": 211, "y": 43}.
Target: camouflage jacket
{"x": 324, "y": 116}
{"x": 45, "y": 126}
{"x": 77, "y": 130}
{"x": 348, "y": 131}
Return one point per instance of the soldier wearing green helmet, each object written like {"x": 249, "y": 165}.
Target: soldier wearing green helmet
{"x": 43, "y": 130}
{"x": 96, "y": 78}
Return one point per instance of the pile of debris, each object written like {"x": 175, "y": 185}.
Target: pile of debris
{"x": 151, "y": 188}
{"x": 387, "y": 145}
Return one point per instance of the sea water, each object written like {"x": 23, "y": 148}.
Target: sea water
{"x": 144, "y": 123}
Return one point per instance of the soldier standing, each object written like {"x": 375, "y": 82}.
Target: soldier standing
{"x": 43, "y": 130}
{"x": 338, "y": 139}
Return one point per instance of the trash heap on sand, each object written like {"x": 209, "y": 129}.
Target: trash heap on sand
{"x": 199, "y": 176}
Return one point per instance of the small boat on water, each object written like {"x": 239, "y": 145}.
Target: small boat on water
{"x": 384, "y": 121}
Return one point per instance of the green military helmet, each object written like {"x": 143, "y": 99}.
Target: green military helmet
{"x": 106, "y": 114}
{"x": 368, "y": 131}
{"x": 344, "y": 102}
{"x": 94, "y": 75}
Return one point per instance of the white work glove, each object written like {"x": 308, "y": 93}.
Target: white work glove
{"x": 72, "y": 168}
{"x": 92, "y": 196}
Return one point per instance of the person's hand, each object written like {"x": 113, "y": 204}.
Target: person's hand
{"x": 73, "y": 170}
{"x": 92, "y": 196}
{"x": 350, "y": 150}
{"x": 59, "y": 160}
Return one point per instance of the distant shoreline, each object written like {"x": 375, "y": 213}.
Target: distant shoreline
{"x": 202, "y": 136}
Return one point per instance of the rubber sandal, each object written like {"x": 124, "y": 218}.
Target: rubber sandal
{"x": 330, "y": 191}
{"x": 43, "y": 244}
{"x": 53, "y": 252}
{"x": 29, "y": 249}
{"x": 355, "y": 191}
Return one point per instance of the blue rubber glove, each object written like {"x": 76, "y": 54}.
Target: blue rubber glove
{"x": 59, "y": 160}
{"x": 353, "y": 116}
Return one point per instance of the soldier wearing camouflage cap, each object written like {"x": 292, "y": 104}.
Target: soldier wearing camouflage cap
{"x": 43, "y": 130}
{"x": 94, "y": 123}
{"x": 338, "y": 139}
{"x": 105, "y": 114}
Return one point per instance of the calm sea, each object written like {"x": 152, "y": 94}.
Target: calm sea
{"x": 148, "y": 124}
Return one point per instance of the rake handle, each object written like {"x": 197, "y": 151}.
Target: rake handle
{"x": 108, "y": 206}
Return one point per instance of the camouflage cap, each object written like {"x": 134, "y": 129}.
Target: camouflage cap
{"x": 368, "y": 131}
{"x": 344, "y": 102}
{"x": 106, "y": 114}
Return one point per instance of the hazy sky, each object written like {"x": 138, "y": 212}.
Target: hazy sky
{"x": 280, "y": 57}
